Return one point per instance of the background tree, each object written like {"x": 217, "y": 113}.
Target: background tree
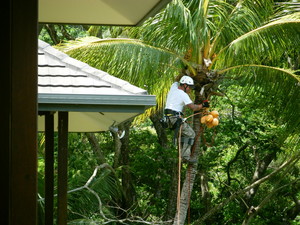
{"x": 225, "y": 46}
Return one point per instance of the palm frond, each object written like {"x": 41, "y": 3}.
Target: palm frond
{"x": 233, "y": 21}
{"x": 285, "y": 8}
{"x": 149, "y": 67}
{"x": 264, "y": 43}
{"x": 172, "y": 28}
{"x": 280, "y": 23}
{"x": 129, "y": 59}
{"x": 73, "y": 44}
{"x": 276, "y": 89}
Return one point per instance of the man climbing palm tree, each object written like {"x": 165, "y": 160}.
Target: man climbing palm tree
{"x": 177, "y": 98}
{"x": 222, "y": 44}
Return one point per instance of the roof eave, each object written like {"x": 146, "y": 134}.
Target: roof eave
{"x": 95, "y": 103}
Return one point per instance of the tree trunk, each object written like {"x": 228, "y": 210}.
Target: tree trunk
{"x": 65, "y": 33}
{"x": 96, "y": 148}
{"x": 253, "y": 211}
{"x": 172, "y": 194}
{"x": 40, "y": 28}
{"x": 52, "y": 33}
{"x": 205, "y": 194}
{"x": 284, "y": 166}
{"x": 127, "y": 181}
{"x": 261, "y": 167}
{"x": 187, "y": 187}
{"x": 294, "y": 211}
{"x": 118, "y": 145}
{"x": 186, "y": 191}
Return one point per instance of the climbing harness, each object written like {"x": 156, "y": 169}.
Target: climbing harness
{"x": 166, "y": 122}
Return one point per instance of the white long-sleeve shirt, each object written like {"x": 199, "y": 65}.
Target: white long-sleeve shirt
{"x": 177, "y": 98}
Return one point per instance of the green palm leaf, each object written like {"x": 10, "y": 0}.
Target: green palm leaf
{"x": 276, "y": 90}
{"x": 128, "y": 59}
{"x": 267, "y": 42}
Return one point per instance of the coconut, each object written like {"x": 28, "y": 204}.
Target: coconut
{"x": 214, "y": 113}
{"x": 209, "y": 118}
{"x": 215, "y": 122}
{"x": 203, "y": 119}
{"x": 209, "y": 125}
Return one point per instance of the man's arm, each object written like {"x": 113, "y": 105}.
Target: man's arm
{"x": 197, "y": 107}
{"x": 194, "y": 107}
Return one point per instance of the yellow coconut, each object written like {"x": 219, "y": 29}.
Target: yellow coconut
{"x": 214, "y": 113}
{"x": 209, "y": 125}
{"x": 203, "y": 119}
{"x": 215, "y": 122}
{"x": 209, "y": 118}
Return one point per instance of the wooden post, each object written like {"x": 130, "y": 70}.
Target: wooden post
{"x": 62, "y": 169}
{"x": 18, "y": 160}
{"x": 49, "y": 167}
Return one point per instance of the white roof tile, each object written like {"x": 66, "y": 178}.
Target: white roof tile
{"x": 61, "y": 74}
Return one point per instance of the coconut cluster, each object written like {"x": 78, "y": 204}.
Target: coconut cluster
{"x": 211, "y": 119}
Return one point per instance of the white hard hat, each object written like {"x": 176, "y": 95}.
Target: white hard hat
{"x": 187, "y": 80}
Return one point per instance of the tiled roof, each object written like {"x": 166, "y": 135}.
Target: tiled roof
{"x": 94, "y": 99}
{"x": 61, "y": 74}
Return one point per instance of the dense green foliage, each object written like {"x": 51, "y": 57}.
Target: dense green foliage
{"x": 245, "y": 135}
{"x": 249, "y": 163}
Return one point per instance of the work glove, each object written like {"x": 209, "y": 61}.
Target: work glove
{"x": 205, "y": 104}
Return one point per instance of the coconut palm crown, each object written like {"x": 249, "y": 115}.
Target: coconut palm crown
{"x": 213, "y": 41}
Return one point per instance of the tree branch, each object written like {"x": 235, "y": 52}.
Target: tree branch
{"x": 233, "y": 160}
{"x": 293, "y": 159}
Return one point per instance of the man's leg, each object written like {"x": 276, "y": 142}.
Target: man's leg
{"x": 187, "y": 140}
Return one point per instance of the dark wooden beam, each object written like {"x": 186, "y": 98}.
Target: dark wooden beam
{"x": 62, "y": 169}
{"x": 49, "y": 168}
{"x": 18, "y": 164}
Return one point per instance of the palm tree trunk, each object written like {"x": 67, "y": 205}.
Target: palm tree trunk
{"x": 186, "y": 191}
{"x": 187, "y": 187}
{"x": 188, "y": 184}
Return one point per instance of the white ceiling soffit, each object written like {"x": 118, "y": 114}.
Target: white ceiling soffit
{"x": 100, "y": 12}
{"x": 89, "y": 121}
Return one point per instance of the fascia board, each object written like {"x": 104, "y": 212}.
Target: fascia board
{"x": 95, "y": 103}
